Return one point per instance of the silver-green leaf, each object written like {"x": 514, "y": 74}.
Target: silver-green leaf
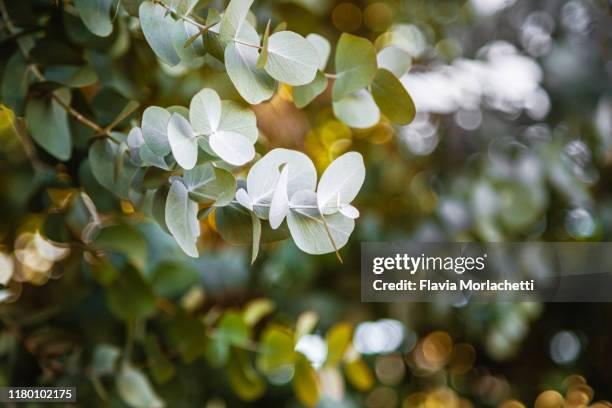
{"x": 358, "y": 110}
{"x": 155, "y": 129}
{"x": 182, "y": 218}
{"x": 183, "y": 141}
{"x": 291, "y": 59}
{"x": 254, "y": 85}
{"x": 157, "y": 26}
{"x": 312, "y": 232}
{"x": 96, "y": 15}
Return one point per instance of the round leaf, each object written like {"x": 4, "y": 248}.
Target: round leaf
{"x": 291, "y": 59}
{"x": 322, "y": 47}
{"x": 310, "y": 231}
{"x": 358, "y": 110}
{"x": 340, "y": 182}
{"x": 96, "y": 15}
{"x": 183, "y": 142}
{"x": 205, "y": 111}
{"x": 155, "y": 129}
{"x": 182, "y": 218}
{"x": 392, "y": 98}
{"x": 355, "y": 65}
{"x": 157, "y": 26}
{"x": 254, "y": 85}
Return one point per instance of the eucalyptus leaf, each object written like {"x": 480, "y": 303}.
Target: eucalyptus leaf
{"x": 263, "y": 53}
{"x": 183, "y": 141}
{"x": 71, "y": 75}
{"x": 205, "y": 111}
{"x": 310, "y": 231}
{"x": 291, "y": 59}
{"x": 157, "y": 26}
{"x": 210, "y": 185}
{"x": 280, "y": 200}
{"x": 182, "y": 218}
{"x": 392, "y": 98}
{"x": 16, "y": 80}
{"x": 233, "y": 19}
{"x": 140, "y": 154}
{"x": 355, "y": 65}
{"x": 135, "y": 389}
{"x": 358, "y": 110}
{"x": 254, "y": 85}
{"x": 394, "y": 59}
{"x": 322, "y": 46}
{"x": 263, "y": 177}
{"x": 256, "y": 228}
{"x": 155, "y": 129}
{"x": 340, "y": 183}
{"x": 96, "y": 15}
{"x": 303, "y": 95}
{"x": 235, "y": 226}
{"x": 181, "y": 34}
{"x": 47, "y": 122}
{"x": 130, "y": 297}
{"x": 102, "y": 156}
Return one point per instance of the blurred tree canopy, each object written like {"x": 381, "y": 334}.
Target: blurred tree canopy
{"x": 149, "y": 148}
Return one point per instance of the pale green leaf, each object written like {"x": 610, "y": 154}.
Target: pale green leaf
{"x": 205, "y": 111}
{"x": 136, "y": 390}
{"x": 96, "y": 15}
{"x": 102, "y": 157}
{"x": 303, "y": 95}
{"x": 291, "y": 59}
{"x": 256, "y": 237}
{"x": 355, "y": 65}
{"x": 279, "y": 205}
{"x": 263, "y": 177}
{"x": 233, "y": 19}
{"x": 104, "y": 359}
{"x": 394, "y": 59}
{"x": 182, "y": 218}
{"x": 183, "y": 141}
{"x": 254, "y": 85}
{"x": 392, "y": 98}
{"x": 340, "y": 182}
{"x": 186, "y": 40}
{"x": 155, "y": 129}
{"x": 210, "y": 185}
{"x": 308, "y": 229}
{"x": 322, "y": 46}
{"x": 157, "y": 26}
{"x": 358, "y": 110}
{"x": 236, "y": 118}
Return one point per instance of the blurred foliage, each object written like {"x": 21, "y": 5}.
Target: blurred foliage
{"x": 512, "y": 141}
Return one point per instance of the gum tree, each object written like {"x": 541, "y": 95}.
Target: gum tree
{"x": 70, "y": 95}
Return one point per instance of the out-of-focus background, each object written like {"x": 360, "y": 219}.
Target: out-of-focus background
{"x": 512, "y": 142}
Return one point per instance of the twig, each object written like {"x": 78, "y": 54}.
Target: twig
{"x": 203, "y": 28}
{"x": 71, "y": 111}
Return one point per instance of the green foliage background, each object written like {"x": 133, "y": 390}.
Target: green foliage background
{"x": 117, "y": 309}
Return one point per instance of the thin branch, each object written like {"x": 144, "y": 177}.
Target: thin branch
{"x": 203, "y": 28}
{"x": 71, "y": 111}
